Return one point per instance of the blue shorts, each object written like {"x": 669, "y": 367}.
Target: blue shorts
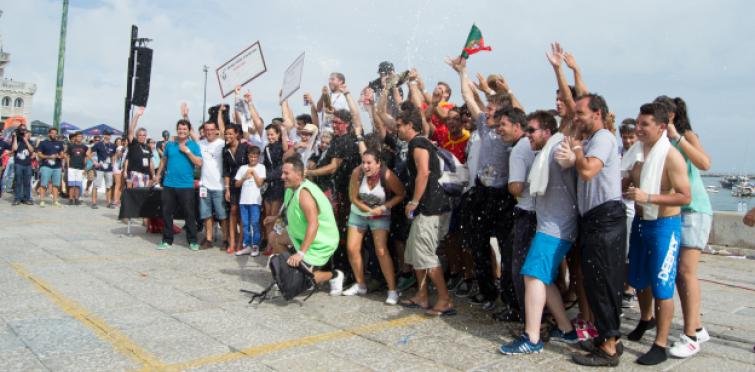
{"x": 215, "y": 200}
{"x": 653, "y": 252}
{"x": 48, "y": 174}
{"x": 362, "y": 223}
{"x": 455, "y": 219}
{"x": 546, "y": 253}
{"x": 695, "y": 229}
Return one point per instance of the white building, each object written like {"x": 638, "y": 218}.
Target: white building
{"x": 15, "y": 97}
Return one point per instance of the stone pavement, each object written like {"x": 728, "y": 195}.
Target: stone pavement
{"x": 76, "y": 294}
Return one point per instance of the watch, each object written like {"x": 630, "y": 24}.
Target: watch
{"x": 412, "y": 202}
{"x": 383, "y": 208}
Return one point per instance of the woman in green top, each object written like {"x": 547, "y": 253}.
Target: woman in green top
{"x": 310, "y": 224}
{"x": 697, "y": 219}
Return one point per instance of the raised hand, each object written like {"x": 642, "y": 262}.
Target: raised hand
{"x": 184, "y": 110}
{"x": 570, "y": 61}
{"x": 248, "y": 96}
{"x": 558, "y": 55}
{"x": 308, "y": 98}
{"x": 237, "y": 90}
{"x": 420, "y": 84}
{"x": 671, "y": 131}
{"x": 483, "y": 84}
{"x": 140, "y": 111}
{"x": 325, "y": 91}
{"x": 413, "y": 74}
{"x": 222, "y": 108}
{"x": 344, "y": 88}
{"x": 383, "y": 80}
{"x": 502, "y": 83}
{"x": 457, "y": 64}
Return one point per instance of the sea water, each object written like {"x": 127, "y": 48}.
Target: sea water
{"x": 722, "y": 201}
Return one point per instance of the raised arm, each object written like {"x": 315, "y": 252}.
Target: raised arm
{"x": 417, "y": 101}
{"x": 313, "y": 112}
{"x": 503, "y": 86}
{"x": 377, "y": 122}
{"x": 185, "y": 115}
{"x": 460, "y": 66}
{"x": 132, "y": 128}
{"x": 397, "y": 96}
{"x": 382, "y": 107}
{"x": 691, "y": 145}
{"x": 321, "y": 101}
{"x": 563, "y": 87}
{"x": 256, "y": 120}
{"x": 579, "y": 84}
{"x": 356, "y": 121}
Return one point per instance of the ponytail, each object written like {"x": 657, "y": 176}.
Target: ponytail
{"x": 681, "y": 120}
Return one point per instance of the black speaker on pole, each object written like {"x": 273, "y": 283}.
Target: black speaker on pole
{"x": 142, "y": 72}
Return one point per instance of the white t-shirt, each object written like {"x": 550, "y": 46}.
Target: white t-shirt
{"x": 250, "y": 192}
{"x": 212, "y": 164}
{"x": 338, "y": 101}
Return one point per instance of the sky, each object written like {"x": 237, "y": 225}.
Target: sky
{"x": 629, "y": 52}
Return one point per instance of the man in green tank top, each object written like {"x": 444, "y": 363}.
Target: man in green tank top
{"x": 310, "y": 225}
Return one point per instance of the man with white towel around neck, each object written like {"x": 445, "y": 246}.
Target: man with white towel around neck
{"x": 603, "y": 228}
{"x": 655, "y": 178}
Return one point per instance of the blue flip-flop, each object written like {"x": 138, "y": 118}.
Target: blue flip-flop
{"x": 412, "y": 305}
{"x": 451, "y": 311}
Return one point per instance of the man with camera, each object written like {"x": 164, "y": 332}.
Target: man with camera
{"x": 22, "y": 165}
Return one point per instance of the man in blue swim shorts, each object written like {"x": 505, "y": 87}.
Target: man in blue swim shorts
{"x": 655, "y": 178}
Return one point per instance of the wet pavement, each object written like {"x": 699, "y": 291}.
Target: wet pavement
{"x": 77, "y": 294}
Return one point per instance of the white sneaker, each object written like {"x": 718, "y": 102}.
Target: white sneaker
{"x": 255, "y": 251}
{"x": 247, "y": 250}
{"x": 275, "y": 287}
{"x": 355, "y": 290}
{"x": 392, "y": 298}
{"x": 702, "y": 336}
{"x": 336, "y": 284}
{"x": 684, "y": 348}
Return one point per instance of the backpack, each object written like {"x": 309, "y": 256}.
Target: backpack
{"x": 291, "y": 281}
{"x": 454, "y": 176}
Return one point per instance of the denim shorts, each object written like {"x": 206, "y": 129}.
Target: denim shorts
{"x": 48, "y": 174}
{"x": 215, "y": 201}
{"x": 546, "y": 253}
{"x": 695, "y": 229}
{"x": 362, "y": 223}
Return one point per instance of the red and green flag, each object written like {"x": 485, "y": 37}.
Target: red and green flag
{"x": 475, "y": 43}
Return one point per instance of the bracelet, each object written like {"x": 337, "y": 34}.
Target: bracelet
{"x": 412, "y": 202}
{"x": 679, "y": 141}
{"x": 492, "y": 93}
{"x": 677, "y": 137}
{"x": 300, "y": 253}
{"x": 346, "y": 93}
{"x": 424, "y": 91}
{"x": 413, "y": 82}
{"x": 464, "y": 76}
{"x": 649, "y": 196}
{"x": 572, "y": 157}
{"x": 226, "y": 186}
{"x": 576, "y": 147}
{"x": 383, "y": 208}
{"x": 510, "y": 92}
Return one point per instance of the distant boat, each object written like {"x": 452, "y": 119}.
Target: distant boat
{"x": 730, "y": 181}
{"x": 743, "y": 190}
{"x": 711, "y": 189}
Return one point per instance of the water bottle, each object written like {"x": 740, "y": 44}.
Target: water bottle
{"x": 739, "y": 207}
{"x": 744, "y": 207}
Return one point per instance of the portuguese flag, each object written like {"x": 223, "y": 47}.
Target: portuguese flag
{"x": 475, "y": 43}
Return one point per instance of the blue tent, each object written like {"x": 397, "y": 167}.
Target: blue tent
{"x": 68, "y": 126}
{"x": 98, "y": 129}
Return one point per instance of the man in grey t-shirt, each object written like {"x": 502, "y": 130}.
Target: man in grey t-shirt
{"x": 603, "y": 226}
{"x": 510, "y": 128}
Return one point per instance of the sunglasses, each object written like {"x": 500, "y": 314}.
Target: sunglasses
{"x": 531, "y": 130}
{"x": 663, "y": 98}
{"x": 627, "y": 126}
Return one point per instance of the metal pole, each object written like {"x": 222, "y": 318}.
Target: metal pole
{"x": 204, "y": 107}
{"x": 61, "y": 62}
{"x": 127, "y": 114}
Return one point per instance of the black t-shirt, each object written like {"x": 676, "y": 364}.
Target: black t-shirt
{"x": 77, "y": 154}
{"x": 434, "y": 200}
{"x": 4, "y": 146}
{"x": 104, "y": 152}
{"x": 23, "y": 153}
{"x": 139, "y": 155}
{"x": 342, "y": 147}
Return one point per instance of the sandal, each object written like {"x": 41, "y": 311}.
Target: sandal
{"x": 440, "y": 313}
{"x": 572, "y": 304}
{"x": 412, "y": 304}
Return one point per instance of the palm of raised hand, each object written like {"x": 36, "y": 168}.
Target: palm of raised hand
{"x": 558, "y": 55}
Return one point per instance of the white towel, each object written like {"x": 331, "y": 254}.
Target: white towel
{"x": 538, "y": 177}
{"x": 652, "y": 171}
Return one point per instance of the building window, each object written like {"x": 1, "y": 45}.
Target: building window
{"x": 19, "y": 103}
{"x": 6, "y": 101}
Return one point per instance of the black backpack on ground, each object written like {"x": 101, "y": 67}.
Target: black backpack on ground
{"x": 291, "y": 281}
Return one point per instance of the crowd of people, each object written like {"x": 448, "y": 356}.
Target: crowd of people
{"x": 580, "y": 220}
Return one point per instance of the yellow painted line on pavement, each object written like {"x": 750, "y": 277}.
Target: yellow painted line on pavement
{"x": 101, "y": 328}
{"x": 56, "y": 222}
{"x": 99, "y": 258}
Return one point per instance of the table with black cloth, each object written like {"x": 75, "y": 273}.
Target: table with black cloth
{"x": 146, "y": 202}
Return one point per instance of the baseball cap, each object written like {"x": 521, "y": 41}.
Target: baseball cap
{"x": 385, "y": 68}
{"x": 166, "y": 133}
{"x": 106, "y": 132}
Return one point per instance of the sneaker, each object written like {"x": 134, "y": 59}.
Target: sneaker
{"x": 557, "y": 334}
{"x": 247, "y": 250}
{"x": 42, "y": 204}
{"x": 684, "y": 348}
{"x": 452, "y": 282}
{"x": 596, "y": 358}
{"x": 465, "y": 288}
{"x": 56, "y": 204}
{"x": 702, "y": 336}
{"x": 164, "y": 246}
{"x": 77, "y": 203}
{"x": 590, "y": 346}
{"x": 355, "y": 290}
{"x": 194, "y": 246}
{"x": 207, "y": 244}
{"x": 336, "y": 284}
{"x": 522, "y": 345}
{"x": 29, "y": 202}
{"x": 117, "y": 204}
{"x": 15, "y": 202}
{"x": 627, "y": 300}
{"x": 255, "y": 251}
{"x": 70, "y": 201}
{"x": 506, "y": 314}
{"x": 94, "y": 206}
{"x": 404, "y": 283}
{"x": 392, "y": 298}
{"x": 482, "y": 302}
{"x": 110, "y": 206}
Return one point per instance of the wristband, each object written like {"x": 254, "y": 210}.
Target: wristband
{"x": 346, "y": 93}
{"x": 413, "y": 82}
{"x": 492, "y": 93}
{"x": 412, "y": 202}
{"x": 510, "y": 92}
{"x": 383, "y": 208}
{"x": 649, "y": 196}
{"x": 300, "y": 253}
{"x": 576, "y": 147}
{"x": 424, "y": 91}
{"x": 464, "y": 76}
{"x": 226, "y": 186}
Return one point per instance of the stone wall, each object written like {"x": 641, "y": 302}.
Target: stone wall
{"x": 729, "y": 231}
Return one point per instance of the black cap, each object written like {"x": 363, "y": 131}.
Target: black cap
{"x": 106, "y": 132}
{"x": 385, "y": 68}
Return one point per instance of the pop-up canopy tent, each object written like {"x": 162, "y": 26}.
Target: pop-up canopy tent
{"x": 98, "y": 129}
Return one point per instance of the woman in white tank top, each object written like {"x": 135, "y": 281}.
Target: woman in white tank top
{"x": 373, "y": 190}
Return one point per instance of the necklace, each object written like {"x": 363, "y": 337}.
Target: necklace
{"x": 374, "y": 178}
